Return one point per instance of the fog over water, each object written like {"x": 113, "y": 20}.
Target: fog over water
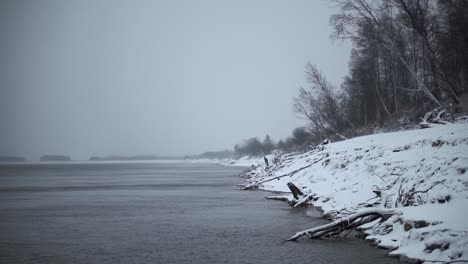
{"x": 104, "y": 77}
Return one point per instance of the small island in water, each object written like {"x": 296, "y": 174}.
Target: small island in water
{"x": 55, "y": 158}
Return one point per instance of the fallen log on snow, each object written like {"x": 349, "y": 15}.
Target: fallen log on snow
{"x": 350, "y": 222}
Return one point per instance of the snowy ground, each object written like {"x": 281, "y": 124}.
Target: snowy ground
{"x": 245, "y": 161}
{"x": 423, "y": 171}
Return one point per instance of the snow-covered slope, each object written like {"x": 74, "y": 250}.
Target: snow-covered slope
{"x": 425, "y": 175}
{"x": 246, "y": 161}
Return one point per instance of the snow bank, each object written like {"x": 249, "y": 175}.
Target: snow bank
{"x": 246, "y": 161}
{"x": 425, "y": 173}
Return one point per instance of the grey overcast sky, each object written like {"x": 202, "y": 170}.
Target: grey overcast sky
{"x": 100, "y": 77}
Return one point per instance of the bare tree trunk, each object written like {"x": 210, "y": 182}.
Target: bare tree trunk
{"x": 421, "y": 29}
{"x": 378, "y": 88}
{"x": 394, "y": 84}
{"x": 416, "y": 77}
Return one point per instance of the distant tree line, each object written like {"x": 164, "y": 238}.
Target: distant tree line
{"x": 224, "y": 154}
{"x": 408, "y": 57}
{"x": 300, "y": 139}
{"x": 254, "y": 147}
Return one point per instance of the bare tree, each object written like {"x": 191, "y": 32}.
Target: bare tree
{"x": 319, "y": 104}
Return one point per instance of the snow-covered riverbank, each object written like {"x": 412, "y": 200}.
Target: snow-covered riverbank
{"x": 424, "y": 173}
{"x": 245, "y": 161}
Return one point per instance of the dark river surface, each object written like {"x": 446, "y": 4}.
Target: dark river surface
{"x": 154, "y": 213}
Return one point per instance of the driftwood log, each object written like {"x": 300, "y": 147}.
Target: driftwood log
{"x": 349, "y": 222}
{"x": 299, "y": 197}
{"x": 296, "y": 192}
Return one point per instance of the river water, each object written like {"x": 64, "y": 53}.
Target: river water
{"x": 154, "y": 213}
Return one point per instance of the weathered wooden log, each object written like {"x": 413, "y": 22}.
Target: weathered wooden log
{"x": 304, "y": 199}
{"x": 352, "y": 221}
{"x": 296, "y": 192}
{"x": 343, "y": 223}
